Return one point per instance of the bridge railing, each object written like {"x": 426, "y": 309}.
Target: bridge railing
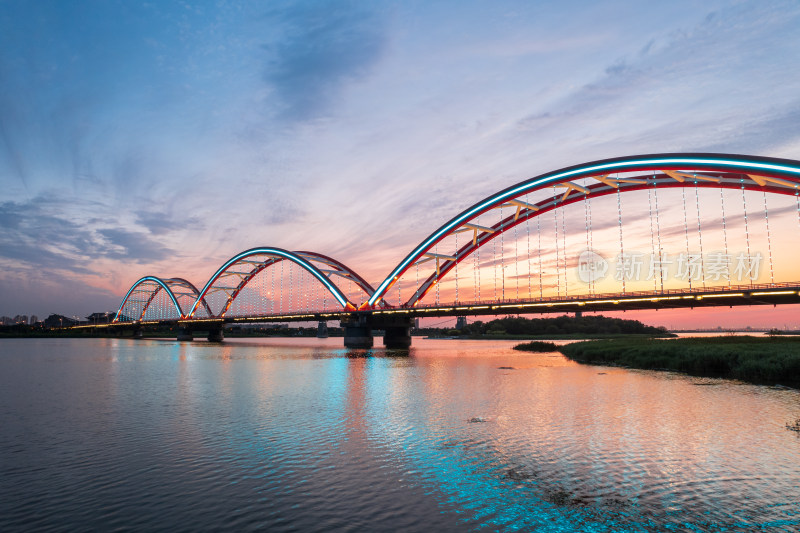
{"x": 616, "y": 295}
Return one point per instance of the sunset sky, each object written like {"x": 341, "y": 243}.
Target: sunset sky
{"x": 164, "y": 137}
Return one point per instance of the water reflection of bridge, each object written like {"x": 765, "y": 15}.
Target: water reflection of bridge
{"x": 693, "y": 230}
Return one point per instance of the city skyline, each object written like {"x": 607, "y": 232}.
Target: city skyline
{"x": 141, "y": 139}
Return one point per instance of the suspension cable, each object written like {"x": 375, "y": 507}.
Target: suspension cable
{"x": 699, "y": 233}
{"x": 455, "y": 267}
{"x": 325, "y": 298}
{"x": 564, "y": 248}
{"x": 478, "y": 252}
{"x": 621, "y": 248}
{"x": 399, "y": 296}
{"x": 539, "y": 254}
{"x": 436, "y": 265}
{"x": 686, "y": 233}
{"x": 494, "y": 266}
{"x": 746, "y": 230}
{"x": 516, "y": 264}
{"x": 502, "y": 255}
{"x": 724, "y": 231}
{"x": 588, "y": 238}
{"x": 769, "y": 241}
{"x": 658, "y": 233}
{"x": 652, "y": 238}
{"x": 272, "y": 292}
{"x": 558, "y": 257}
{"x": 475, "y": 255}
{"x": 528, "y": 232}
{"x": 416, "y": 293}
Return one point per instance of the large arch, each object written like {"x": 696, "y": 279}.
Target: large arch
{"x": 272, "y": 256}
{"x": 780, "y": 176}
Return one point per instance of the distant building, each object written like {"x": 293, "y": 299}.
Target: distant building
{"x": 6, "y": 321}
{"x": 21, "y": 319}
{"x": 101, "y": 318}
{"x": 34, "y": 319}
{"x": 59, "y": 321}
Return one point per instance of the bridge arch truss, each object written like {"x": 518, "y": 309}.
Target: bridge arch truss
{"x": 600, "y": 178}
{"x": 142, "y": 300}
{"x": 236, "y": 274}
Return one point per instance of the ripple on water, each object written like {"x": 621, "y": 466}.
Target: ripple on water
{"x": 144, "y": 435}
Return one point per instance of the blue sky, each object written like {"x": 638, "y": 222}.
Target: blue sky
{"x": 164, "y": 137}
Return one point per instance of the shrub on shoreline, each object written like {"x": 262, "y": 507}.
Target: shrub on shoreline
{"x": 537, "y": 346}
{"x": 754, "y": 359}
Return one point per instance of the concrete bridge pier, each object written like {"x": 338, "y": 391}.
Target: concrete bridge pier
{"x": 396, "y": 336}
{"x": 185, "y": 334}
{"x": 397, "y": 333}
{"x": 322, "y": 330}
{"x": 357, "y": 333}
{"x": 215, "y": 334}
{"x": 138, "y": 333}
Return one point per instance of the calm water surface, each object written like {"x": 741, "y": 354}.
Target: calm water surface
{"x": 302, "y": 435}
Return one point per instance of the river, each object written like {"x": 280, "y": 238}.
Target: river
{"x": 302, "y": 435}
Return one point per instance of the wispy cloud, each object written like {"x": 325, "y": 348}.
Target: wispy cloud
{"x": 160, "y": 223}
{"x": 323, "y": 45}
{"x": 42, "y": 234}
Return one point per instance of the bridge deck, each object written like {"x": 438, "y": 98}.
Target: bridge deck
{"x": 758, "y": 294}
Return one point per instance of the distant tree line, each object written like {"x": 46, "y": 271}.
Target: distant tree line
{"x": 560, "y": 325}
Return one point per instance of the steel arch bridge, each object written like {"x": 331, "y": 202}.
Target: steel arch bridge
{"x": 230, "y": 280}
{"x": 268, "y": 283}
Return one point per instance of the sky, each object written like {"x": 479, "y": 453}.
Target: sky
{"x": 164, "y": 137}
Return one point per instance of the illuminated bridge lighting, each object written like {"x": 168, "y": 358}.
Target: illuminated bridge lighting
{"x": 508, "y": 254}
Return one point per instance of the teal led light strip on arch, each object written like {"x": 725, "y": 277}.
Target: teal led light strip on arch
{"x": 156, "y": 280}
{"x": 590, "y": 168}
{"x": 280, "y": 253}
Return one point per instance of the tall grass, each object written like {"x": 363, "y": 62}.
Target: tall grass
{"x": 754, "y": 359}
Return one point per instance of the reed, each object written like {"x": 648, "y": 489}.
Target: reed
{"x": 753, "y": 359}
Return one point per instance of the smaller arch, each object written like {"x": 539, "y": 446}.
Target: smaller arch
{"x": 194, "y": 293}
{"x": 162, "y": 285}
{"x": 302, "y": 259}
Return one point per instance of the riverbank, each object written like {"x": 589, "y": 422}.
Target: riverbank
{"x": 567, "y": 336}
{"x": 762, "y": 360}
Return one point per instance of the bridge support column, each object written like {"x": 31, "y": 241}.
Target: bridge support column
{"x": 357, "y": 333}
{"x": 215, "y": 334}
{"x": 185, "y": 334}
{"x": 322, "y": 330}
{"x": 397, "y": 333}
{"x": 138, "y": 333}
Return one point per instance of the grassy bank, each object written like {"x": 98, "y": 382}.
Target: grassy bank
{"x": 753, "y": 359}
{"x": 566, "y": 336}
